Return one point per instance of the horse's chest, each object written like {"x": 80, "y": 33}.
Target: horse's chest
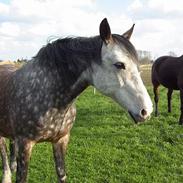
{"x": 58, "y": 124}
{"x": 53, "y": 125}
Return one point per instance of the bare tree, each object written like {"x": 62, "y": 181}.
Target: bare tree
{"x": 144, "y": 57}
{"x": 171, "y": 53}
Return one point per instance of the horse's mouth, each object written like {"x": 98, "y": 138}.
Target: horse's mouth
{"x": 136, "y": 118}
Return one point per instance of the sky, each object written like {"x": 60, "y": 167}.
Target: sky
{"x": 27, "y": 25}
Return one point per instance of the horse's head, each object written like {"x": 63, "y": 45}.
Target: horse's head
{"x": 118, "y": 75}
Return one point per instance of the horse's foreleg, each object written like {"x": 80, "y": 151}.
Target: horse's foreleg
{"x": 169, "y": 97}
{"x": 59, "y": 150}
{"x": 13, "y": 155}
{"x": 24, "y": 152}
{"x": 156, "y": 99}
{"x": 6, "y": 169}
{"x": 181, "y": 108}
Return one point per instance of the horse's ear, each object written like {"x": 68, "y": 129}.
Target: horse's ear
{"x": 105, "y": 31}
{"x": 129, "y": 32}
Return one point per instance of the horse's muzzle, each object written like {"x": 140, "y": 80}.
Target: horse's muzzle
{"x": 136, "y": 118}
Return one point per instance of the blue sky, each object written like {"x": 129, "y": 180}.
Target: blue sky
{"x": 5, "y": 1}
{"x": 26, "y": 25}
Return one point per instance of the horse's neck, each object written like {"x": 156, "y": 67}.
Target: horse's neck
{"x": 80, "y": 85}
{"x": 56, "y": 86}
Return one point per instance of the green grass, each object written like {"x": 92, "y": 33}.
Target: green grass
{"x": 107, "y": 147}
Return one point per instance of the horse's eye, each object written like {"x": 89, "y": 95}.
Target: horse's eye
{"x": 119, "y": 65}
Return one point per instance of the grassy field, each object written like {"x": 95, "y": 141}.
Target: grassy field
{"x": 107, "y": 147}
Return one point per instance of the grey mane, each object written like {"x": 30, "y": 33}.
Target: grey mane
{"x": 70, "y": 56}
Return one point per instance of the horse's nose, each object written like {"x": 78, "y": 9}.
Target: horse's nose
{"x": 143, "y": 113}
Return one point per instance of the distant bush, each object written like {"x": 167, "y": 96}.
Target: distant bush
{"x": 20, "y": 62}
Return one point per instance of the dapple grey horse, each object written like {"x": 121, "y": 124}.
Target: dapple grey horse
{"x": 37, "y": 100}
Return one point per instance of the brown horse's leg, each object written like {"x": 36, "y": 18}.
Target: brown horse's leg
{"x": 24, "y": 152}
{"x": 6, "y": 169}
{"x": 169, "y": 97}
{"x": 181, "y": 108}
{"x": 156, "y": 98}
{"x": 59, "y": 150}
{"x": 13, "y": 155}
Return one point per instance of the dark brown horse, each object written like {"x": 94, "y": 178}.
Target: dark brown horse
{"x": 37, "y": 100}
{"x": 168, "y": 71}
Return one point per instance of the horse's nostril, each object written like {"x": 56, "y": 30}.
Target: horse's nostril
{"x": 143, "y": 112}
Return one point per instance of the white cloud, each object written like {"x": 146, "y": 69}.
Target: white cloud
{"x": 135, "y": 6}
{"x": 9, "y": 29}
{"x": 166, "y": 6}
{"x": 4, "y": 9}
{"x": 158, "y": 26}
{"x": 26, "y": 25}
{"x": 32, "y": 22}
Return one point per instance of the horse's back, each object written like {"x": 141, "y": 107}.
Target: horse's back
{"x": 166, "y": 71}
{"x": 5, "y": 74}
{"x": 7, "y": 69}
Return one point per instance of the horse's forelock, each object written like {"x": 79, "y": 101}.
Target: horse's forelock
{"x": 127, "y": 45}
